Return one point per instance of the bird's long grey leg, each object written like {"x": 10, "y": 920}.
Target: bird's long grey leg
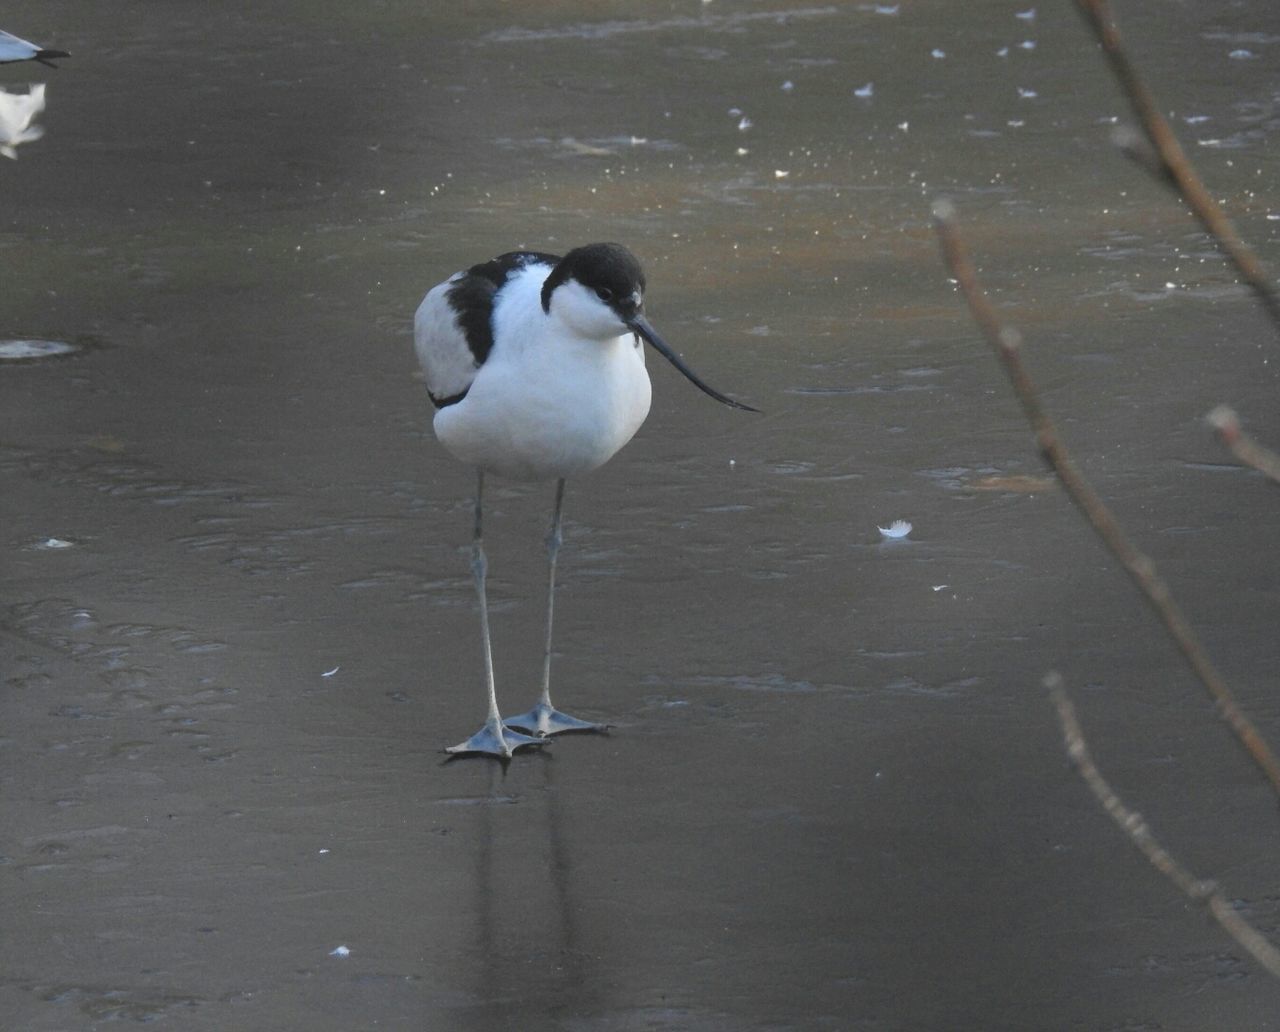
{"x": 493, "y": 738}
{"x": 554, "y": 540}
{"x": 544, "y": 719}
{"x": 480, "y": 572}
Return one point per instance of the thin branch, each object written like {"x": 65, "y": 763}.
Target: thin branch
{"x": 1133, "y": 825}
{"x": 1173, "y": 159}
{"x": 1245, "y": 448}
{"x": 1007, "y": 344}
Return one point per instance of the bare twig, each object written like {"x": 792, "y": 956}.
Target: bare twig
{"x": 1007, "y": 344}
{"x": 1245, "y": 448}
{"x": 1197, "y": 889}
{"x": 1173, "y": 160}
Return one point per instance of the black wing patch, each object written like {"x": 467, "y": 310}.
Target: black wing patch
{"x": 453, "y": 399}
{"x": 472, "y": 299}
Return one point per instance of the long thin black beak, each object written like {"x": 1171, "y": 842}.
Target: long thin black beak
{"x": 640, "y": 325}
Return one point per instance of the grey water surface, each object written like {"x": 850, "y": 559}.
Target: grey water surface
{"x": 236, "y": 618}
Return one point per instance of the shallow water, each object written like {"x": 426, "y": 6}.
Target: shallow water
{"x": 236, "y": 621}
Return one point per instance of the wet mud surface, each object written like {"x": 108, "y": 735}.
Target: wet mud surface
{"x": 236, "y": 617}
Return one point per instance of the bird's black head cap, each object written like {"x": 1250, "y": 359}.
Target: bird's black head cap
{"x": 610, "y": 270}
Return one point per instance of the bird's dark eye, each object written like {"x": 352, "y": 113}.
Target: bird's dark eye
{"x": 604, "y": 293}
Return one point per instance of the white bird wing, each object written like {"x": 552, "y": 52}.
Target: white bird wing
{"x": 12, "y": 48}
{"x": 453, "y": 327}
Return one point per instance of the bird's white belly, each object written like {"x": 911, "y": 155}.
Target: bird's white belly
{"x": 561, "y": 415}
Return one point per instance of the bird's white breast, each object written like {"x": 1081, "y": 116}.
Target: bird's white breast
{"x": 547, "y": 403}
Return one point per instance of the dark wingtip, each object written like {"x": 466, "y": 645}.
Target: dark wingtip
{"x": 43, "y": 56}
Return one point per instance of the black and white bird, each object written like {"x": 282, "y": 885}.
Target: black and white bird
{"x": 535, "y": 365}
{"x": 14, "y": 49}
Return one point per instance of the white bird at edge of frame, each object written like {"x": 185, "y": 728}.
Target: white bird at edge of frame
{"x": 535, "y": 366}
{"x": 14, "y": 49}
{"x": 17, "y": 112}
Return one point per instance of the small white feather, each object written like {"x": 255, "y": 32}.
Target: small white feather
{"x": 896, "y": 529}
